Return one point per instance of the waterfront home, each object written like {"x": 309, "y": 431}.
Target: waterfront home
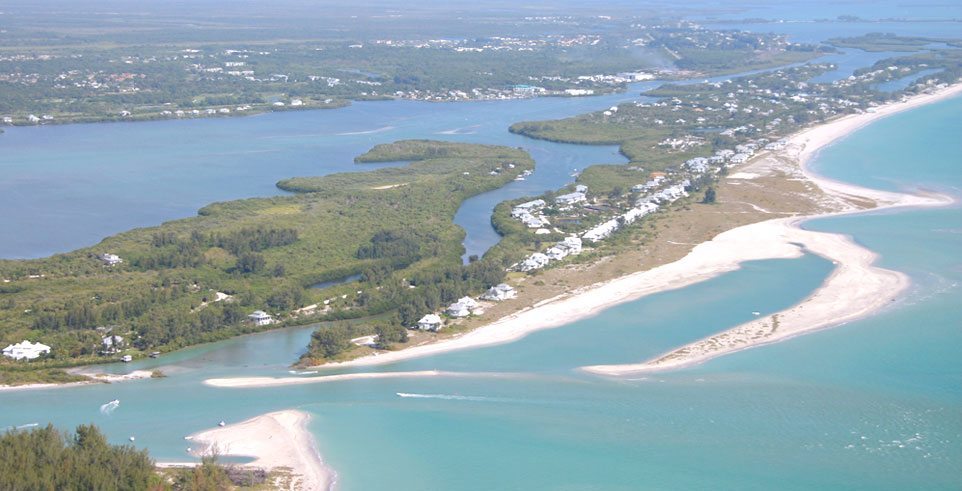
{"x": 260, "y": 318}
{"x": 111, "y": 343}
{"x": 573, "y": 244}
{"x": 126, "y": 358}
{"x": 570, "y": 199}
{"x": 430, "y": 322}
{"x": 533, "y": 262}
{"x": 556, "y": 253}
{"x": 499, "y": 293}
{"x": 110, "y": 259}
{"x": 25, "y": 350}
{"x": 532, "y": 221}
{"x": 527, "y": 207}
{"x": 463, "y": 307}
{"x": 638, "y": 212}
{"x": 601, "y": 231}
{"x": 581, "y": 188}
{"x": 739, "y": 158}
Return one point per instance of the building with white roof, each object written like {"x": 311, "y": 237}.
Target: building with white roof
{"x": 499, "y": 293}
{"x": 110, "y": 259}
{"x": 260, "y": 318}
{"x": 535, "y": 261}
{"x": 25, "y": 350}
{"x": 430, "y": 322}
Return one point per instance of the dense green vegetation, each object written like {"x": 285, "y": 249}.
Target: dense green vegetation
{"x": 392, "y": 225}
{"x": 47, "y": 459}
{"x": 877, "y": 41}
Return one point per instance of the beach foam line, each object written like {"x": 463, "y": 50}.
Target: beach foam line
{"x": 249, "y": 382}
{"x": 277, "y": 439}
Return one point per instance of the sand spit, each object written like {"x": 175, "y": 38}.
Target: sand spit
{"x": 278, "y": 439}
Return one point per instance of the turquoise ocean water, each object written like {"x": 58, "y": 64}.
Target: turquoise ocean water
{"x": 874, "y": 404}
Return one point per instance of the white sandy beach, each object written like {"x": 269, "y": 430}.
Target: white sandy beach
{"x": 855, "y": 288}
{"x": 246, "y": 382}
{"x": 766, "y": 240}
{"x": 94, "y": 378}
{"x": 278, "y": 439}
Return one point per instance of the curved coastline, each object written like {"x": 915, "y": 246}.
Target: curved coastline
{"x": 855, "y": 289}
{"x": 293, "y": 448}
{"x": 720, "y": 255}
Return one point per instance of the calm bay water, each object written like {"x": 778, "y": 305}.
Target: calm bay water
{"x": 875, "y": 404}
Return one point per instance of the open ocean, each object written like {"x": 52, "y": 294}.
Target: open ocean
{"x": 874, "y": 404}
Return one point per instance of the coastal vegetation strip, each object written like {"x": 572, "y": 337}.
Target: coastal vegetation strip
{"x": 197, "y": 279}
{"x": 773, "y": 185}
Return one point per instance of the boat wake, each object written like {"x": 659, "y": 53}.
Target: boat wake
{"x": 109, "y": 408}
{"x": 368, "y": 132}
{"x": 28, "y": 425}
{"x": 295, "y": 372}
{"x": 467, "y": 130}
{"x": 450, "y": 397}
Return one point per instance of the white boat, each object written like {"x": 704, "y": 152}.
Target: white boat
{"x": 222, "y": 424}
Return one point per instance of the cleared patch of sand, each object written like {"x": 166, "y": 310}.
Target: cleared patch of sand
{"x": 278, "y": 439}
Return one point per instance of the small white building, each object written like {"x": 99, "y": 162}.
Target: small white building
{"x": 740, "y": 158}
{"x": 430, "y": 322}
{"x": 112, "y": 342}
{"x": 110, "y": 259}
{"x": 527, "y": 208}
{"x": 260, "y": 318}
{"x": 535, "y": 261}
{"x": 25, "y": 350}
{"x": 463, "y": 307}
{"x": 556, "y": 253}
{"x": 499, "y": 293}
{"x": 602, "y": 231}
{"x": 573, "y": 244}
{"x": 570, "y": 198}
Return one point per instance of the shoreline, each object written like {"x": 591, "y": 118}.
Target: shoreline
{"x": 254, "y": 382}
{"x": 92, "y": 378}
{"x": 698, "y": 266}
{"x": 294, "y": 447}
{"x": 855, "y": 289}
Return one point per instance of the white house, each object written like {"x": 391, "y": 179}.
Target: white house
{"x": 25, "y": 350}
{"x": 740, "y": 158}
{"x": 570, "y": 198}
{"x": 556, "y": 253}
{"x": 261, "y": 318}
{"x": 111, "y": 342}
{"x": 463, "y": 307}
{"x": 110, "y": 259}
{"x": 430, "y": 322}
{"x": 527, "y": 208}
{"x": 601, "y": 231}
{"x": 573, "y": 244}
{"x": 499, "y": 292}
{"x": 535, "y": 261}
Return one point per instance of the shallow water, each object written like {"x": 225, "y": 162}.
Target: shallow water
{"x": 873, "y": 404}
